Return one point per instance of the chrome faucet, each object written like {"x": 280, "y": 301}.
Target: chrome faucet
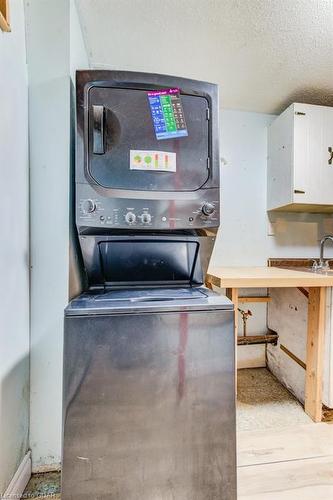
{"x": 322, "y": 263}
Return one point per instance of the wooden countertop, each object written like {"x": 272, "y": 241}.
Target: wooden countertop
{"x": 265, "y": 277}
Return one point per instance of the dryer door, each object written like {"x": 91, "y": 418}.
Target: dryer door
{"x": 120, "y": 125}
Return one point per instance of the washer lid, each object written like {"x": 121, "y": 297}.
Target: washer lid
{"x": 147, "y": 300}
{"x": 154, "y": 261}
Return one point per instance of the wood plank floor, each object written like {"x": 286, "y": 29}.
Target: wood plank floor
{"x": 286, "y": 464}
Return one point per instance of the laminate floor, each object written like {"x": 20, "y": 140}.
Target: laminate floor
{"x": 286, "y": 464}
{"x": 282, "y": 454}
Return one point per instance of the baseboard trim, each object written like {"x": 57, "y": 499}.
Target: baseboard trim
{"x": 20, "y": 479}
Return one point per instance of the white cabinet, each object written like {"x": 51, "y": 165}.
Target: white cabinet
{"x": 300, "y": 164}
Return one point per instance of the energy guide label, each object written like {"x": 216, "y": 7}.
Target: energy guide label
{"x": 160, "y": 161}
{"x": 167, "y": 113}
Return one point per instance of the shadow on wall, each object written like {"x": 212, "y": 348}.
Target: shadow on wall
{"x": 301, "y": 229}
{"x": 14, "y": 420}
{"x": 308, "y": 95}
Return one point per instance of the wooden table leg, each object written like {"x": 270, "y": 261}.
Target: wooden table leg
{"x": 232, "y": 294}
{"x": 314, "y": 353}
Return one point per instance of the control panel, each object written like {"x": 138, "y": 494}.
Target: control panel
{"x": 99, "y": 211}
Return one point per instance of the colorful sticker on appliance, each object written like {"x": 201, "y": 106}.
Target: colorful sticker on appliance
{"x": 160, "y": 161}
{"x": 167, "y": 113}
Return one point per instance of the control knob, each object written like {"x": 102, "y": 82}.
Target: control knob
{"x": 146, "y": 218}
{"x": 130, "y": 218}
{"x": 88, "y": 206}
{"x": 208, "y": 209}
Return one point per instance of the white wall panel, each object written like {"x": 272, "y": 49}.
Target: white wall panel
{"x": 49, "y": 121}
{"x": 14, "y": 248}
{"x": 55, "y": 51}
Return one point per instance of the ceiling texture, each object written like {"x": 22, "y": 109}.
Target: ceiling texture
{"x": 264, "y": 54}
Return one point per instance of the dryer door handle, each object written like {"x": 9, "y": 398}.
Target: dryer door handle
{"x": 98, "y": 130}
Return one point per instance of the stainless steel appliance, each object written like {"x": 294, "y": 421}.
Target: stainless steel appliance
{"x": 149, "y": 410}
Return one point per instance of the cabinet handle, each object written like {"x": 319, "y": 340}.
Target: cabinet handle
{"x": 299, "y": 191}
{"x": 330, "y": 158}
{"x": 98, "y": 130}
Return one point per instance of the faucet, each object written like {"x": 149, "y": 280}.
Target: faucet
{"x": 322, "y": 263}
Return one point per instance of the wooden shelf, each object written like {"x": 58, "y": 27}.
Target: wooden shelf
{"x": 254, "y": 299}
{"x": 269, "y": 338}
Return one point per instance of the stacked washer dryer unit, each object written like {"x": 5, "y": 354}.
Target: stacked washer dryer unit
{"x": 149, "y": 409}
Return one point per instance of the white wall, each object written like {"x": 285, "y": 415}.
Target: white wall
{"x": 78, "y": 53}
{"x": 49, "y": 121}
{"x": 55, "y": 50}
{"x": 78, "y": 59}
{"x": 242, "y": 236}
{"x": 14, "y": 249}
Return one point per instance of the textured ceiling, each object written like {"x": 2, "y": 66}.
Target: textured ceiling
{"x": 264, "y": 54}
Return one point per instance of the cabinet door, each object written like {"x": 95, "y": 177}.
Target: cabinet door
{"x": 326, "y": 167}
{"x": 313, "y": 170}
{"x": 308, "y": 153}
